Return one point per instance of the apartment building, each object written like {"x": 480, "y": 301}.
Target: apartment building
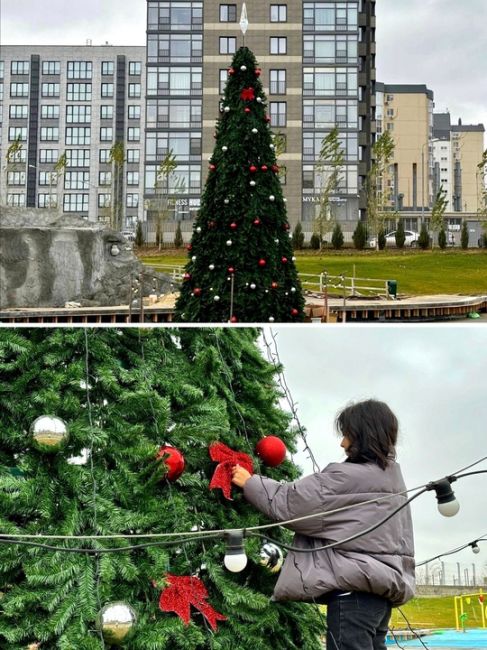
{"x": 318, "y": 70}
{"x": 77, "y": 102}
{"x": 457, "y": 151}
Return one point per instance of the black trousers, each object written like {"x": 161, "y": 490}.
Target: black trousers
{"x": 357, "y": 621}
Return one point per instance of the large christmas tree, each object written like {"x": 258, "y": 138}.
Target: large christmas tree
{"x": 135, "y": 404}
{"x": 241, "y": 265}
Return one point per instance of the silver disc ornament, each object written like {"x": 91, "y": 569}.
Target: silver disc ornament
{"x": 271, "y": 557}
{"x": 116, "y": 621}
{"x": 49, "y": 433}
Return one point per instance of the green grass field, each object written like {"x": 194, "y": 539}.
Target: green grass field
{"x": 417, "y": 272}
{"x": 437, "y": 612}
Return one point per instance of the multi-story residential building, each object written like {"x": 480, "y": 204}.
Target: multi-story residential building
{"x": 75, "y": 102}
{"x": 318, "y": 71}
{"x": 457, "y": 152}
{"x": 406, "y": 111}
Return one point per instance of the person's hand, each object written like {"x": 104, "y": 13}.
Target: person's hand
{"x": 240, "y": 476}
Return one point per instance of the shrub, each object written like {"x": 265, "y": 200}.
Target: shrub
{"x": 337, "y": 238}
{"x": 424, "y": 238}
{"x": 139, "y": 235}
{"x": 314, "y": 242}
{"x": 178, "y": 237}
{"x": 381, "y": 239}
{"x": 400, "y": 234}
{"x": 464, "y": 236}
{"x": 442, "y": 238}
{"x": 360, "y": 236}
{"x": 298, "y": 237}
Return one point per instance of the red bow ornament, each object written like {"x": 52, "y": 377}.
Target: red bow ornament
{"x": 247, "y": 94}
{"x": 227, "y": 459}
{"x": 184, "y": 591}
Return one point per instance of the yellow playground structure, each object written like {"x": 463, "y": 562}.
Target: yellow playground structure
{"x": 460, "y": 613}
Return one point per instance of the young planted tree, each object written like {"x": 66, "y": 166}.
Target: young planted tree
{"x": 117, "y": 160}
{"x": 166, "y": 189}
{"x": 178, "y": 237}
{"x": 139, "y": 235}
{"x": 424, "y": 238}
{"x": 442, "y": 238}
{"x": 438, "y": 213}
{"x": 241, "y": 265}
{"x": 13, "y": 159}
{"x": 337, "y": 238}
{"x": 298, "y": 237}
{"x": 360, "y": 236}
{"x": 377, "y": 185}
{"x": 329, "y": 167}
{"x": 400, "y": 235}
{"x": 464, "y": 235}
{"x": 125, "y": 449}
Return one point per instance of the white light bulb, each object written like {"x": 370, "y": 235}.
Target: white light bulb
{"x": 272, "y": 198}
{"x": 211, "y": 267}
{"x": 229, "y": 242}
{"x": 235, "y": 559}
{"x": 272, "y": 146}
{"x": 224, "y": 148}
{"x": 271, "y": 319}
{"x": 235, "y": 563}
{"x": 293, "y": 289}
{"x": 285, "y": 200}
{"x": 198, "y": 229}
{"x": 255, "y": 130}
{"x": 193, "y": 258}
{"x": 252, "y": 286}
{"x": 216, "y": 298}
{"x": 227, "y": 109}
{"x": 243, "y": 68}
{"x": 449, "y": 509}
{"x": 475, "y": 549}
{"x": 253, "y": 183}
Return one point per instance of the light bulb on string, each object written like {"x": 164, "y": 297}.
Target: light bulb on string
{"x": 448, "y": 505}
{"x": 235, "y": 558}
{"x": 475, "y": 547}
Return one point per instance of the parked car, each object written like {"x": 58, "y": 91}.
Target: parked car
{"x": 129, "y": 235}
{"x": 411, "y": 239}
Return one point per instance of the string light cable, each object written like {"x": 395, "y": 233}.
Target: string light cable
{"x": 473, "y": 544}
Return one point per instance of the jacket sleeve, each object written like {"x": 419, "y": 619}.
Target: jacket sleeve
{"x": 283, "y": 501}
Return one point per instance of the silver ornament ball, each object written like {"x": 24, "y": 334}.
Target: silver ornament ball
{"x": 224, "y": 148}
{"x": 252, "y": 286}
{"x": 272, "y": 146}
{"x": 243, "y": 68}
{"x": 116, "y": 621}
{"x": 226, "y": 201}
{"x": 293, "y": 289}
{"x": 211, "y": 267}
{"x": 259, "y": 99}
{"x": 193, "y": 259}
{"x": 198, "y": 229}
{"x": 271, "y": 557}
{"x": 227, "y": 109}
{"x": 253, "y": 183}
{"x": 49, "y": 433}
{"x": 272, "y": 197}
{"x": 216, "y": 298}
{"x": 271, "y": 319}
{"x": 254, "y": 130}
{"x": 229, "y": 242}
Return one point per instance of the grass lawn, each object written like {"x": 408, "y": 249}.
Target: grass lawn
{"x": 417, "y": 272}
{"x": 435, "y": 612}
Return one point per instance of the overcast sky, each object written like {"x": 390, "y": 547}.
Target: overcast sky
{"x": 441, "y": 43}
{"x": 434, "y": 379}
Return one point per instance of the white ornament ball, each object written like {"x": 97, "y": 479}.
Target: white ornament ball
{"x": 272, "y": 146}
{"x": 287, "y": 294}
{"x": 49, "y": 433}
{"x": 229, "y": 242}
{"x": 216, "y": 298}
{"x": 271, "y": 319}
{"x": 211, "y": 289}
{"x": 259, "y": 99}
{"x": 193, "y": 258}
{"x": 253, "y": 183}
{"x": 293, "y": 289}
{"x": 211, "y": 267}
{"x": 198, "y": 229}
{"x": 226, "y": 201}
{"x": 272, "y": 197}
{"x": 254, "y": 130}
{"x": 243, "y": 68}
{"x": 224, "y": 148}
{"x": 227, "y": 109}
{"x": 276, "y": 241}
{"x": 253, "y": 286}
{"x": 267, "y": 290}
{"x": 116, "y": 621}
{"x": 293, "y": 258}
{"x": 285, "y": 200}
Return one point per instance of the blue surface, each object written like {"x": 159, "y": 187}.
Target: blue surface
{"x": 448, "y": 640}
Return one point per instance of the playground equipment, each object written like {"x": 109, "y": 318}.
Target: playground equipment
{"x": 461, "y": 615}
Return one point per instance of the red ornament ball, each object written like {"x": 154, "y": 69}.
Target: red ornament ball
{"x": 272, "y": 450}
{"x": 275, "y": 168}
{"x": 253, "y": 168}
{"x": 211, "y": 224}
{"x": 286, "y": 226}
{"x": 234, "y": 319}
{"x": 233, "y": 225}
{"x": 262, "y": 262}
{"x": 189, "y": 247}
{"x": 267, "y": 118}
{"x": 231, "y": 70}
{"x": 197, "y": 291}
{"x": 294, "y": 312}
{"x": 174, "y": 461}
{"x": 274, "y": 285}
{"x": 231, "y": 269}
{"x": 212, "y": 167}
{"x": 264, "y": 168}
{"x": 187, "y": 276}
{"x": 247, "y": 110}
{"x": 258, "y": 72}
{"x": 284, "y": 260}
{"x": 257, "y": 222}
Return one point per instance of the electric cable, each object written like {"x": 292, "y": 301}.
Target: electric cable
{"x": 410, "y": 628}
{"x": 482, "y": 538}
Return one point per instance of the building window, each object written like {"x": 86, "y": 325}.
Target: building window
{"x": 134, "y": 90}
{"x": 19, "y": 112}
{"x": 135, "y": 68}
{"x": 133, "y": 134}
{"x": 105, "y": 156}
{"x": 278, "y": 45}
{"x": 51, "y": 67}
{"x": 78, "y": 114}
{"x": 106, "y": 112}
{"x": 16, "y": 200}
{"x": 177, "y": 48}
{"x": 16, "y": 178}
{"x": 278, "y": 113}
{"x": 17, "y": 133}
{"x": 80, "y": 69}
{"x": 277, "y": 82}
{"x": 107, "y": 68}
{"x": 2, "y": 69}
{"x": 19, "y": 67}
{"x": 320, "y": 17}
{"x": 228, "y": 44}
{"x": 132, "y": 178}
{"x": 79, "y": 92}
{"x": 75, "y": 203}
{"x": 329, "y": 82}
{"x": 50, "y": 90}
{"x": 104, "y": 200}
{"x": 105, "y": 178}
{"x": 134, "y": 113}
{"x": 77, "y": 158}
{"x": 106, "y": 134}
{"x": 47, "y": 201}
{"x": 228, "y": 13}
{"x": 223, "y": 78}
{"x": 50, "y": 112}
{"x": 132, "y": 200}
{"x": 19, "y": 90}
{"x": 283, "y": 175}
{"x": 133, "y": 155}
{"x": 78, "y": 135}
{"x": 278, "y": 13}
{"x": 180, "y": 81}
{"x": 76, "y": 180}
{"x": 48, "y": 155}
{"x": 182, "y": 16}
{"x": 322, "y": 48}
{"x": 107, "y": 90}
{"x": 47, "y": 178}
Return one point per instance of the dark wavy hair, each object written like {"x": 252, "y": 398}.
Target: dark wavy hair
{"x": 371, "y": 428}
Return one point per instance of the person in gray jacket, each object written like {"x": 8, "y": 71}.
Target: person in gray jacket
{"x": 361, "y": 579}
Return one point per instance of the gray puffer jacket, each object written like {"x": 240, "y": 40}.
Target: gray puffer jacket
{"x": 381, "y": 562}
